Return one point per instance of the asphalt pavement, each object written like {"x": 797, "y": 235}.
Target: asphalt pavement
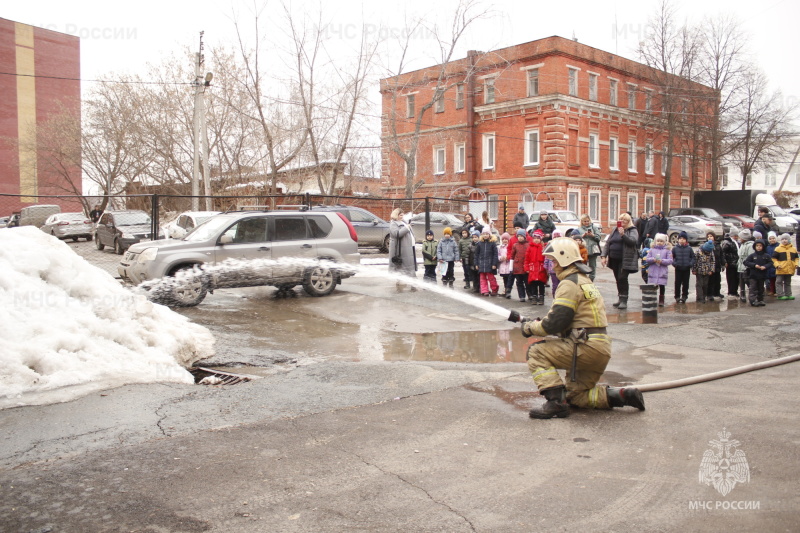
{"x": 370, "y": 413}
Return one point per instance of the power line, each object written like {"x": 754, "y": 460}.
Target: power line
{"x": 64, "y": 78}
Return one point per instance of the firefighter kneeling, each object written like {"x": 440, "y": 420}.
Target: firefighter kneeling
{"x": 583, "y": 347}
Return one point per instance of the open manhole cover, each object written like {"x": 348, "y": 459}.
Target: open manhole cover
{"x": 208, "y": 376}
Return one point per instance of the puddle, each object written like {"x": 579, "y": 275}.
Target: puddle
{"x": 689, "y": 308}
{"x": 507, "y": 346}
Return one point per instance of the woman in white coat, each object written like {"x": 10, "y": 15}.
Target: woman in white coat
{"x": 402, "y": 256}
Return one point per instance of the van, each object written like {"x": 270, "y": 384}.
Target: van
{"x": 36, "y": 215}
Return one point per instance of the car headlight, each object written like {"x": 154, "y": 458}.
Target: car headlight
{"x": 149, "y": 254}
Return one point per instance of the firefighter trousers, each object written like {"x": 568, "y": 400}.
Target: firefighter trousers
{"x": 546, "y": 357}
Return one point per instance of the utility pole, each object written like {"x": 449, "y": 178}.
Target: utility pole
{"x": 200, "y": 131}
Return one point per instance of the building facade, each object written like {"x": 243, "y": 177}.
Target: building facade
{"x": 549, "y": 121}
{"x": 783, "y": 173}
{"x": 42, "y": 78}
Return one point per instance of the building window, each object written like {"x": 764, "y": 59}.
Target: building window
{"x": 593, "y": 87}
{"x": 594, "y": 205}
{"x": 633, "y": 204}
{"x": 594, "y": 151}
{"x": 410, "y": 100}
{"x": 749, "y": 180}
{"x": 438, "y": 103}
{"x": 573, "y": 82}
{"x": 488, "y": 91}
{"x": 649, "y": 203}
{"x": 648, "y": 158}
{"x": 459, "y": 96}
{"x": 631, "y": 96}
{"x": 612, "y": 92}
{"x": 684, "y": 201}
{"x": 460, "y": 157}
{"x": 613, "y": 153}
{"x": 648, "y": 101}
{"x": 685, "y": 165}
{"x": 664, "y": 161}
{"x": 494, "y": 206}
{"x": 632, "y": 156}
{"x": 533, "y": 82}
{"x": 769, "y": 178}
{"x": 574, "y": 201}
{"x": 488, "y": 151}
{"x": 613, "y": 206}
{"x": 438, "y": 160}
{"x": 532, "y": 147}
{"x": 795, "y": 171}
{"x": 724, "y": 172}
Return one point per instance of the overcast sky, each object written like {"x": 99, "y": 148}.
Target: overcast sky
{"x": 120, "y": 37}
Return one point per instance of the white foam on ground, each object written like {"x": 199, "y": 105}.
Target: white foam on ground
{"x": 69, "y": 328}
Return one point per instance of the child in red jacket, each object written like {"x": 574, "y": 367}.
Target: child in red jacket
{"x": 534, "y": 266}
{"x": 517, "y": 259}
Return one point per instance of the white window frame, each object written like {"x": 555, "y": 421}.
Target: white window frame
{"x": 459, "y": 157}
{"x": 770, "y": 178}
{"x": 684, "y": 165}
{"x": 532, "y": 159}
{"x": 595, "y": 197}
{"x": 489, "y": 90}
{"x": 613, "y": 153}
{"x": 576, "y": 193}
{"x": 684, "y": 201}
{"x": 573, "y": 80}
{"x": 723, "y": 174}
{"x": 439, "y": 160}
{"x": 613, "y": 213}
{"x": 649, "y": 202}
{"x": 594, "y": 150}
{"x": 459, "y": 96}
{"x": 438, "y": 103}
{"x": 533, "y": 81}
{"x": 632, "y": 96}
{"x": 632, "y": 156}
{"x": 664, "y": 161}
{"x": 648, "y": 158}
{"x": 648, "y": 100}
{"x": 613, "y": 83}
{"x": 489, "y": 151}
{"x": 411, "y": 101}
{"x": 635, "y": 209}
{"x": 593, "y": 83}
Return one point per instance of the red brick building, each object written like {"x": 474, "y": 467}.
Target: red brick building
{"x": 41, "y": 71}
{"x": 549, "y": 120}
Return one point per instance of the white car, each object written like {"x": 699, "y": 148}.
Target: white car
{"x": 68, "y": 226}
{"x": 186, "y": 222}
{"x": 563, "y": 219}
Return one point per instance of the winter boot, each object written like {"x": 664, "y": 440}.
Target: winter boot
{"x": 661, "y": 300}
{"x": 620, "y": 397}
{"x": 623, "y": 301}
{"x": 450, "y": 283}
{"x": 540, "y": 300}
{"x": 467, "y": 286}
{"x": 555, "y": 406}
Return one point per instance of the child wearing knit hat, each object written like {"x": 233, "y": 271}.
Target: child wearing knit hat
{"x": 745, "y": 249}
{"x": 772, "y": 243}
{"x": 504, "y": 268}
{"x": 703, "y": 268}
{"x": 429, "y": 246}
{"x": 785, "y": 260}
{"x": 447, "y": 252}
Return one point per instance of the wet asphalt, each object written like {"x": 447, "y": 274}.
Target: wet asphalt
{"x": 378, "y": 409}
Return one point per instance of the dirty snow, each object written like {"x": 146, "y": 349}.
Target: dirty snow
{"x": 69, "y": 328}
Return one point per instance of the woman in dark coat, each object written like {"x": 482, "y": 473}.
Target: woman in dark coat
{"x": 621, "y": 256}
{"x": 546, "y": 225}
{"x": 469, "y": 224}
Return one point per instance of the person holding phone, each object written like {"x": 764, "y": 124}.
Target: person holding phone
{"x": 591, "y": 235}
{"x": 621, "y": 256}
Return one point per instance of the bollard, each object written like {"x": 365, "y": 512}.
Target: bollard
{"x": 649, "y": 304}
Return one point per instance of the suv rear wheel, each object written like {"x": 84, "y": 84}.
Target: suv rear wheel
{"x": 319, "y": 281}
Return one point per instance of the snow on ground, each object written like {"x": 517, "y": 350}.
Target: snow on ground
{"x": 69, "y": 328}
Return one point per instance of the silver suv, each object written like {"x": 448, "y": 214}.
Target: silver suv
{"x": 246, "y": 249}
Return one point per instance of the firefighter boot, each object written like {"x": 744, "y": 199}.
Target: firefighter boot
{"x": 623, "y": 301}
{"x": 556, "y": 405}
{"x": 620, "y": 397}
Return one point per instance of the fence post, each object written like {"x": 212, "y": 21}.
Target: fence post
{"x": 154, "y": 216}
{"x": 649, "y": 304}
{"x": 427, "y": 213}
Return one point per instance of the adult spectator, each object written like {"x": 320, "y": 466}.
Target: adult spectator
{"x": 470, "y": 223}
{"x": 95, "y": 213}
{"x": 590, "y": 233}
{"x": 546, "y": 225}
{"x": 521, "y": 219}
{"x": 641, "y": 227}
{"x": 764, "y": 225}
{"x": 402, "y": 257}
{"x": 621, "y": 256}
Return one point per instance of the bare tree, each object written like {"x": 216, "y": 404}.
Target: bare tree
{"x": 400, "y": 141}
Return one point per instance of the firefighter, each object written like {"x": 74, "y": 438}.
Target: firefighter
{"x": 582, "y": 347}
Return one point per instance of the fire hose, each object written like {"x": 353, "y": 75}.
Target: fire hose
{"x": 650, "y": 387}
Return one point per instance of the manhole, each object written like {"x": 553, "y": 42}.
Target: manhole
{"x": 208, "y": 376}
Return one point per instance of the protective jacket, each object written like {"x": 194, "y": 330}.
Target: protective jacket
{"x": 785, "y": 259}
{"x": 429, "y": 251}
{"x": 447, "y": 250}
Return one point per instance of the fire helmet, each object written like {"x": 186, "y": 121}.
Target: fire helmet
{"x": 564, "y": 251}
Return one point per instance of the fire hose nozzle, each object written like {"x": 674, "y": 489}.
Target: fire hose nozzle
{"x": 515, "y": 317}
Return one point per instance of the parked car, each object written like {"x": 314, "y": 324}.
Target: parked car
{"x": 36, "y": 215}
{"x": 372, "y": 230}
{"x": 740, "y": 221}
{"x": 185, "y": 222}
{"x": 121, "y": 229}
{"x": 695, "y": 235}
{"x": 439, "y": 221}
{"x": 246, "y": 235}
{"x": 704, "y": 212}
{"x": 4, "y": 221}
{"x": 703, "y": 224}
{"x": 563, "y": 219}
{"x": 69, "y": 226}
{"x": 795, "y": 214}
{"x": 13, "y": 221}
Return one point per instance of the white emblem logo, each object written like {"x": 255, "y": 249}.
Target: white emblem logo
{"x": 724, "y": 466}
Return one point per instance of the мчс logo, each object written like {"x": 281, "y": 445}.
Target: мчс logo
{"x": 723, "y": 465}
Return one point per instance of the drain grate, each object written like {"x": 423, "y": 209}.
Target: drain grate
{"x": 208, "y": 376}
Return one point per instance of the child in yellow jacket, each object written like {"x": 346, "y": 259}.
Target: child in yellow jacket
{"x": 786, "y": 261}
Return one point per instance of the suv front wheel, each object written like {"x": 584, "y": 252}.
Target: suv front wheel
{"x": 181, "y": 290}
{"x": 319, "y": 281}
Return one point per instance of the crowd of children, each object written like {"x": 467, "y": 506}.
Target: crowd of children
{"x": 751, "y": 264}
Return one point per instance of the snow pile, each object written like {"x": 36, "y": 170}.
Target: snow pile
{"x": 66, "y": 323}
